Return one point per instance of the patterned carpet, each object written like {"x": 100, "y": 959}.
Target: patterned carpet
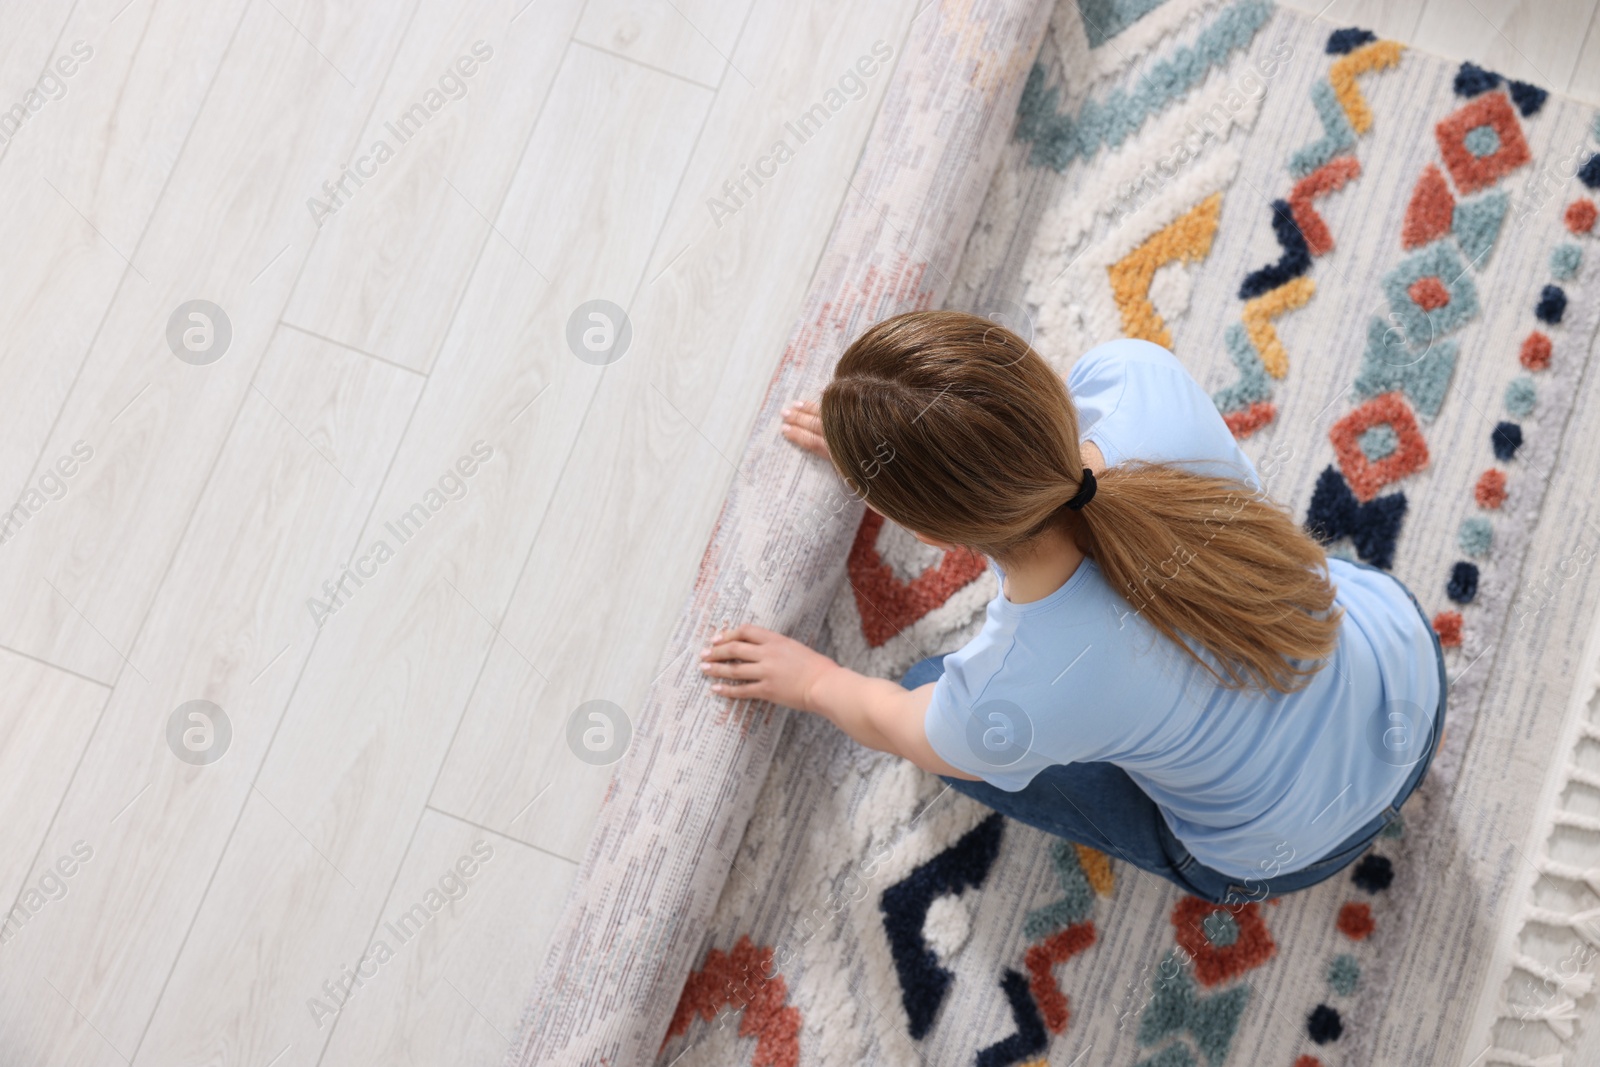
{"x": 1385, "y": 267}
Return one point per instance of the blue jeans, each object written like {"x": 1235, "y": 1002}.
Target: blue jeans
{"x": 1099, "y": 805}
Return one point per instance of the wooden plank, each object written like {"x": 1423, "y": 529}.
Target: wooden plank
{"x": 372, "y": 715}
{"x": 111, "y": 138}
{"x": 693, "y": 39}
{"x": 258, "y": 939}
{"x": 1585, "y": 84}
{"x": 51, "y": 715}
{"x": 392, "y": 261}
{"x": 281, "y": 114}
{"x": 230, "y": 626}
{"x": 1534, "y": 40}
{"x": 33, "y": 32}
{"x": 81, "y": 177}
{"x": 600, "y": 596}
{"x": 454, "y": 985}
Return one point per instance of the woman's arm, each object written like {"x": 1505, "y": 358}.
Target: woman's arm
{"x": 875, "y": 712}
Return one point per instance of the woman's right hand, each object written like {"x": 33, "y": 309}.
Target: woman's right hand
{"x": 802, "y": 425}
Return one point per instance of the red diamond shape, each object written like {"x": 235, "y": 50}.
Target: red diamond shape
{"x": 1253, "y": 947}
{"x": 1473, "y": 172}
{"x": 1429, "y": 293}
{"x": 1365, "y": 476}
{"x": 886, "y": 604}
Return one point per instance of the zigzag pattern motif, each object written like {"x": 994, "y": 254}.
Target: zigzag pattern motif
{"x": 1041, "y": 960}
{"x": 1058, "y": 139}
{"x": 1320, "y": 168}
{"x": 744, "y": 979}
{"x": 964, "y": 865}
{"x": 1295, "y": 261}
{"x": 1338, "y": 136}
{"x": 1188, "y": 237}
{"x": 1030, "y": 1036}
{"x": 1375, "y": 55}
{"x": 1259, "y": 313}
{"x": 1329, "y": 178}
{"x": 1077, "y": 896}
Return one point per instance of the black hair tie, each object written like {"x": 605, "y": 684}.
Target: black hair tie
{"x": 1085, "y": 491}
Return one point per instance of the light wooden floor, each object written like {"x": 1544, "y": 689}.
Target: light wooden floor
{"x": 214, "y": 911}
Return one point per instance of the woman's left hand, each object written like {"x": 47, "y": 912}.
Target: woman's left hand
{"x": 763, "y": 665}
{"x": 802, "y": 425}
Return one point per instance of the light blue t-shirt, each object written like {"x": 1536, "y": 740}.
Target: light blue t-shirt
{"x": 1253, "y": 783}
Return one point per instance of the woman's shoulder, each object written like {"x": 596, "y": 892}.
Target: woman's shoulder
{"x": 1116, "y": 356}
{"x": 1137, "y": 401}
{"x": 1107, "y": 374}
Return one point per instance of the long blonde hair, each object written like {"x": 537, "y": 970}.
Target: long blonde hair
{"x": 955, "y": 428}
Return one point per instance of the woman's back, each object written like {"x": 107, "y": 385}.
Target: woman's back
{"x": 1250, "y": 780}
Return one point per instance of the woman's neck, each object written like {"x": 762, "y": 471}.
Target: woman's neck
{"x": 1053, "y": 557}
{"x": 1046, "y": 566}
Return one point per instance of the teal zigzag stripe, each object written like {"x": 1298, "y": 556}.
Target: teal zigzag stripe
{"x": 1253, "y": 384}
{"x": 1337, "y": 135}
{"x": 1059, "y": 139}
{"x": 1077, "y": 897}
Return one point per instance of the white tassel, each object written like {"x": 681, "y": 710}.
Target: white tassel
{"x": 1575, "y": 985}
{"x": 1558, "y": 1014}
{"x": 1586, "y": 924}
{"x": 1584, "y": 776}
{"x": 1517, "y": 1059}
{"x": 1576, "y": 821}
{"x": 1589, "y": 876}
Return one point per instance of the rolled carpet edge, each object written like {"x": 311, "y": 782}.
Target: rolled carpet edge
{"x": 680, "y": 799}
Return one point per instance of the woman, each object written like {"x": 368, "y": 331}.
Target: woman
{"x": 1173, "y": 672}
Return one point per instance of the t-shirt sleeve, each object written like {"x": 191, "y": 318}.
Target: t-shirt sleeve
{"x": 975, "y": 729}
{"x": 1136, "y": 401}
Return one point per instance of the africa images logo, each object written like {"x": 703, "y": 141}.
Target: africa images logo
{"x": 410, "y": 122}
{"x": 452, "y": 485}
{"x": 52, "y": 486}
{"x": 851, "y": 85}
{"x": 404, "y": 928}
{"x": 52, "y": 85}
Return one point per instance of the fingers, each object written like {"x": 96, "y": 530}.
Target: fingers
{"x": 731, "y": 650}
{"x": 732, "y": 657}
{"x": 811, "y": 442}
{"x": 737, "y": 670}
{"x": 754, "y": 634}
{"x": 805, "y": 415}
{"x": 802, "y": 426}
{"x": 741, "y": 690}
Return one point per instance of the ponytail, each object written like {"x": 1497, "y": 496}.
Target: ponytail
{"x": 1212, "y": 560}
{"x": 982, "y": 446}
